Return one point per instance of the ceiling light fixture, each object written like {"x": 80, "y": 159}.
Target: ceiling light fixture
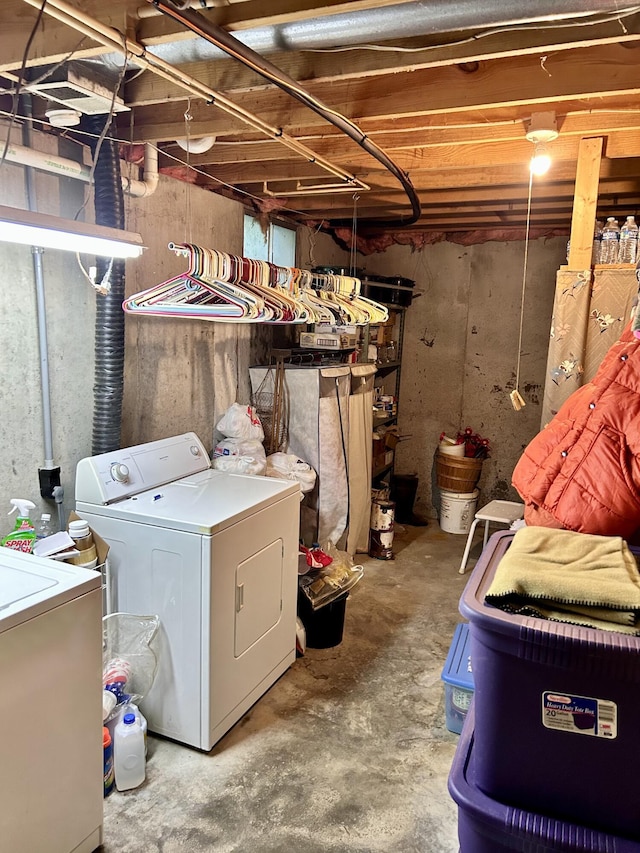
{"x": 542, "y": 130}
{"x": 198, "y": 145}
{"x": 51, "y": 232}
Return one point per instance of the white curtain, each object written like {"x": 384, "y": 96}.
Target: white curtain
{"x": 360, "y": 456}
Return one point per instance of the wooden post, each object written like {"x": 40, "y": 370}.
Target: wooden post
{"x": 585, "y": 199}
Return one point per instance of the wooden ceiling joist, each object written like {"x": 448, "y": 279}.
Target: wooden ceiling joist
{"x": 450, "y": 109}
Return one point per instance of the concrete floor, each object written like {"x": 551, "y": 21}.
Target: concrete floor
{"x": 347, "y": 752}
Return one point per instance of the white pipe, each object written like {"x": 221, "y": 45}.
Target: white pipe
{"x": 70, "y": 169}
{"x": 47, "y": 162}
{"x": 149, "y": 184}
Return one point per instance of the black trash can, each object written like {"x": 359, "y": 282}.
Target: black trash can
{"x": 323, "y": 627}
{"x": 403, "y": 491}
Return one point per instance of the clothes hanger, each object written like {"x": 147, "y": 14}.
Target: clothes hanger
{"x": 229, "y": 288}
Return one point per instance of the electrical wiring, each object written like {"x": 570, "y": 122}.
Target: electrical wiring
{"x": 219, "y": 37}
{"x": 516, "y": 398}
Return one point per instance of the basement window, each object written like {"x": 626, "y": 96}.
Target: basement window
{"x": 277, "y": 244}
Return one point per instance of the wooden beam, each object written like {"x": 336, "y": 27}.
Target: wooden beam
{"x": 330, "y": 67}
{"x": 585, "y": 202}
{"x": 53, "y": 41}
{"x": 432, "y": 205}
{"x": 502, "y": 84}
{"x": 515, "y": 153}
{"x": 455, "y": 179}
{"x": 337, "y": 145}
{"x": 527, "y": 80}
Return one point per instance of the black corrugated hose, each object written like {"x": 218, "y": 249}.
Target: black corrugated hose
{"x": 109, "y": 331}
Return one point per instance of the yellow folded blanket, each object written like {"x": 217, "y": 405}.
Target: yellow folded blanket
{"x": 569, "y": 577}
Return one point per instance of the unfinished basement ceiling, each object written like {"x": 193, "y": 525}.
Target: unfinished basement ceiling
{"x": 445, "y": 89}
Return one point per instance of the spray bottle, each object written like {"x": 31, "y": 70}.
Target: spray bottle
{"x": 23, "y": 534}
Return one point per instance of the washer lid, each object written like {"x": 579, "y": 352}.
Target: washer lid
{"x": 30, "y": 585}
{"x": 201, "y": 503}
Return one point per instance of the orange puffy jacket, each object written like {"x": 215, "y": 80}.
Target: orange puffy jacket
{"x": 582, "y": 471}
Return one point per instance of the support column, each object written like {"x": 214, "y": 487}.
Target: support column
{"x": 585, "y": 200}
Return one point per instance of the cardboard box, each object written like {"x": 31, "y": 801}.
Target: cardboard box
{"x": 329, "y": 340}
{"x": 391, "y": 439}
{"x": 385, "y": 335}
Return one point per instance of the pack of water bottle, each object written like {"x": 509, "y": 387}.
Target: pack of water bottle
{"x": 619, "y": 245}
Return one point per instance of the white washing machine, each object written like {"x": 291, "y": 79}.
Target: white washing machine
{"x": 51, "y": 777}
{"x": 214, "y": 555}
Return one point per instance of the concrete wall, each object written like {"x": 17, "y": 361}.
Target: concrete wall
{"x": 460, "y": 352}
{"x": 315, "y": 249}
{"x": 180, "y": 374}
{"x": 70, "y": 313}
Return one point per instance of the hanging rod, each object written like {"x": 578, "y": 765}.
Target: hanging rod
{"x": 114, "y": 40}
{"x": 311, "y": 189}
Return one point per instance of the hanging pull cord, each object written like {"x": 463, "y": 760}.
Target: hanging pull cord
{"x": 354, "y": 230}
{"x": 188, "y": 118}
{"x": 516, "y": 398}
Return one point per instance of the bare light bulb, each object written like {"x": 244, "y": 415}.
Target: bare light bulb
{"x": 541, "y": 160}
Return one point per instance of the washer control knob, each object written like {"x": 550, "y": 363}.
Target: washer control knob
{"x": 195, "y": 450}
{"x": 119, "y": 472}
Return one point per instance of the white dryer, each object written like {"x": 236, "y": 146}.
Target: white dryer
{"x": 214, "y": 555}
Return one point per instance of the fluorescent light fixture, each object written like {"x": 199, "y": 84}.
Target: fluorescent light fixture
{"x": 51, "y": 232}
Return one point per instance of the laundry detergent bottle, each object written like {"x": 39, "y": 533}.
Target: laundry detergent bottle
{"x": 23, "y": 535}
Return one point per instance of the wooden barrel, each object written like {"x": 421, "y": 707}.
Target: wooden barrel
{"x": 457, "y": 473}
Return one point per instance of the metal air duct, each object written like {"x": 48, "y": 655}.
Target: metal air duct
{"x": 404, "y": 20}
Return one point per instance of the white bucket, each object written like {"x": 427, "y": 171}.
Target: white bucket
{"x": 457, "y": 510}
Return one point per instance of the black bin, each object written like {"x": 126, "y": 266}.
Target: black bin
{"x": 323, "y": 627}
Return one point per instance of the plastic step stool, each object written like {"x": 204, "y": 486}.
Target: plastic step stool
{"x": 500, "y": 512}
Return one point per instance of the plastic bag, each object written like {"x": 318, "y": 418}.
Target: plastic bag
{"x": 239, "y": 465}
{"x": 129, "y": 663}
{"x": 241, "y": 422}
{"x": 287, "y": 466}
{"x": 240, "y": 456}
{"x": 330, "y": 582}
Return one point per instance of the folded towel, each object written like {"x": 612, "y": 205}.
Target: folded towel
{"x": 569, "y": 577}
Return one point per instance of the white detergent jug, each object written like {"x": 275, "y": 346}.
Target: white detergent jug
{"x": 129, "y": 753}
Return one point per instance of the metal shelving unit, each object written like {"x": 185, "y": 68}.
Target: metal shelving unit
{"x": 387, "y": 377}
